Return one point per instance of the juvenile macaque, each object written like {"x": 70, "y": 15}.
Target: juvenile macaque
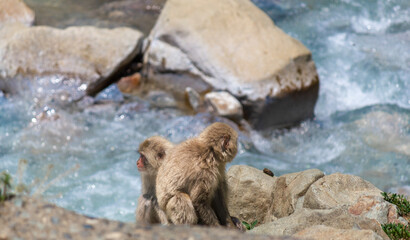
{"x": 152, "y": 153}
{"x": 191, "y": 183}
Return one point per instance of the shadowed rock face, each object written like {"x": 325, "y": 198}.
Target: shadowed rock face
{"x": 232, "y": 45}
{"x": 30, "y": 218}
{"x": 282, "y": 111}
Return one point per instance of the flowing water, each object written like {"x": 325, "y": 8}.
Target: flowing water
{"x": 362, "y": 124}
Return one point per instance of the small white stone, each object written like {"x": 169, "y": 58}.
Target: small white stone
{"x": 224, "y": 104}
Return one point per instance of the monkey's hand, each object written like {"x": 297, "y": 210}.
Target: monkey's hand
{"x": 238, "y": 224}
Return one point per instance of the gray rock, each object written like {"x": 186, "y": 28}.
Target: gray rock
{"x": 338, "y": 189}
{"x": 139, "y": 14}
{"x": 290, "y": 189}
{"x": 94, "y": 55}
{"x": 13, "y": 11}
{"x": 224, "y": 104}
{"x": 304, "y": 218}
{"x": 375, "y": 207}
{"x": 250, "y": 193}
{"x": 194, "y": 99}
{"x": 161, "y": 99}
{"x": 232, "y": 45}
{"x": 319, "y": 232}
{"x": 32, "y": 221}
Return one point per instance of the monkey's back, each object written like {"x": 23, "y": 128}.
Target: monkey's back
{"x": 186, "y": 166}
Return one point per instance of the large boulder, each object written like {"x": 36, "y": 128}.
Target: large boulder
{"x": 338, "y": 189}
{"x": 290, "y": 189}
{"x": 339, "y": 218}
{"x": 319, "y": 232}
{"x": 250, "y": 193}
{"x": 234, "y": 46}
{"x": 91, "y": 54}
{"x": 12, "y": 11}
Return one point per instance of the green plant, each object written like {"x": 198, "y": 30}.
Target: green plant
{"x": 397, "y": 231}
{"x": 403, "y": 205}
{"x": 250, "y": 226}
{"x": 5, "y": 182}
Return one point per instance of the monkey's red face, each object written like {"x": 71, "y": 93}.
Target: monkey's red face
{"x": 141, "y": 163}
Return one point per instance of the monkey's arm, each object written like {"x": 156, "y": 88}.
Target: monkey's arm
{"x": 143, "y": 207}
{"x": 202, "y": 203}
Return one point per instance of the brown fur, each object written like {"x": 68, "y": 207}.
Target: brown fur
{"x": 191, "y": 183}
{"x": 154, "y": 149}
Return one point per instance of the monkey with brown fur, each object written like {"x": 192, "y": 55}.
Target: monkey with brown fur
{"x": 152, "y": 153}
{"x": 191, "y": 181}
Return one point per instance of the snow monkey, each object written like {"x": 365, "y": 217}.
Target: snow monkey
{"x": 191, "y": 183}
{"x": 152, "y": 153}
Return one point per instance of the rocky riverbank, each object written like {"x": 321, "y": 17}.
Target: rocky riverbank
{"x": 33, "y": 218}
{"x": 310, "y": 204}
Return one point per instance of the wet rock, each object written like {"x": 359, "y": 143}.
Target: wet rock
{"x": 239, "y": 49}
{"x": 193, "y": 98}
{"x": 323, "y": 232}
{"x": 161, "y": 99}
{"x": 224, "y": 104}
{"x": 72, "y": 226}
{"x": 129, "y": 84}
{"x": 290, "y": 189}
{"x": 338, "y": 189}
{"x": 94, "y": 55}
{"x": 13, "y": 11}
{"x": 339, "y": 218}
{"x": 250, "y": 193}
{"x": 269, "y": 172}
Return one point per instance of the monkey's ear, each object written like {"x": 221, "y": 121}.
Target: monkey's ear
{"x": 161, "y": 154}
{"x": 225, "y": 142}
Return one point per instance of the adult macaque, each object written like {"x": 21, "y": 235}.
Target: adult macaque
{"x": 152, "y": 153}
{"x": 191, "y": 183}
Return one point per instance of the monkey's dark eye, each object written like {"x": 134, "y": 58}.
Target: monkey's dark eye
{"x": 144, "y": 159}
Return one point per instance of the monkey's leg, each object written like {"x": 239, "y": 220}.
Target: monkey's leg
{"x": 180, "y": 209}
{"x": 202, "y": 204}
{"x": 220, "y": 207}
{"x": 163, "y": 219}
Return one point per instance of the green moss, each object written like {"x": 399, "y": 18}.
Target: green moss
{"x": 397, "y": 231}
{"x": 403, "y": 205}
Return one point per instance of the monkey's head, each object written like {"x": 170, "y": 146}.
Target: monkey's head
{"x": 222, "y": 139}
{"x": 152, "y": 153}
